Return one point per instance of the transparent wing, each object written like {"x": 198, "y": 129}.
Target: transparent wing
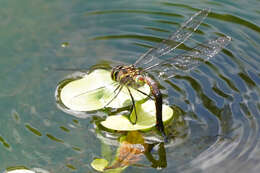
{"x": 174, "y": 40}
{"x": 191, "y": 59}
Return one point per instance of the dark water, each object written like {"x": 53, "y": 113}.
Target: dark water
{"x": 219, "y": 100}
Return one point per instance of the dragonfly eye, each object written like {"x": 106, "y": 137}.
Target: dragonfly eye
{"x": 115, "y": 74}
{"x": 119, "y": 67}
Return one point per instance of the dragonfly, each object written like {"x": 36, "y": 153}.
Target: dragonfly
{"x": 138, "y": 74}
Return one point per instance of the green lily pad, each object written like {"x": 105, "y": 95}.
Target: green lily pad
{"x": 146, "y": 118}
{"x": 20, "y": 171}
{"x": 94, "y": 90}
{"x": 99, "y": 164}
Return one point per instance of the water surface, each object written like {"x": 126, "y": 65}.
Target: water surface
{"x": 219, "y": 100}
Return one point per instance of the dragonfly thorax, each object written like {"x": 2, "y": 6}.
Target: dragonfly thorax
{"x": 127, "y": 75}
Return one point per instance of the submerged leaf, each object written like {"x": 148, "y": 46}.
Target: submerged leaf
{"x": 95, "y": 90}
{"x": 129, "y": 152}
{"x": 146, "y": 118}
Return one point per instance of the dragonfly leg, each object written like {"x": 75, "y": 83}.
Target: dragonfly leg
{"x": 133, "y": 105}
{"x": 119, "y": 88}
{"x": 144, "y": 93}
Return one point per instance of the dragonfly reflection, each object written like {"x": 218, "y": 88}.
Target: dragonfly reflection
{"x": 137, "y": 74}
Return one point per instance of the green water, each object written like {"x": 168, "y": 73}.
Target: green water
{"x": 219, "y": 100}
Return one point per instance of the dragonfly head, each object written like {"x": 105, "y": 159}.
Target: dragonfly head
{"x": 127, "y": 75}
{"x": 115, "y": 71}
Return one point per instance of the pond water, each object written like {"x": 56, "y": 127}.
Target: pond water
{"x": 218, "y": 101}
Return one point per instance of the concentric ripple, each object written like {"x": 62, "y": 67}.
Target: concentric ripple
{"x": 220, "y": 98}
{"x": 217, "y": 129}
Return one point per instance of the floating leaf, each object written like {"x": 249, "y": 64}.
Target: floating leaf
{"x": 99, "y": 164}
{"x": 20, "y": 171}
{"x": 64, "y": 44}
{"x": 94, "y": 90}
{"x": 146, "y": 118}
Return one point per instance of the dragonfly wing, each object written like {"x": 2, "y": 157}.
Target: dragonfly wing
{"x": 191, "y": 59}
{"x": 174, "y": 40}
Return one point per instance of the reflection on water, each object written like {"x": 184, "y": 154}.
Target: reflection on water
{"x": 218, "y": 128}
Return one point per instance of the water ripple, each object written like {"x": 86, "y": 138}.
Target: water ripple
{"x": 219, "y": 100}
{"x": 218, "y": 129}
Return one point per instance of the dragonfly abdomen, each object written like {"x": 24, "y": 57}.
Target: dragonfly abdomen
{"x": 158, "y": 103}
